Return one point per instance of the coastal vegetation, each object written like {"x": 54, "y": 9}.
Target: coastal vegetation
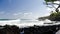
{"x": 54, "y": 16}
{"x": 43, "y": 18}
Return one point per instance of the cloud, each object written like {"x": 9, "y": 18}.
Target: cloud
{"x": 15, "y": 14}
{"x": 57, "y": 2}
{"x": 26, "y": 13}
{"x": 59, "y": 9}
{"x": 53, "y": 9}
{"x": 56, "y": 6}
{"x": 47, "y": 14}
{"x": 2, "y": 12}
{"x": 22, "y": 15}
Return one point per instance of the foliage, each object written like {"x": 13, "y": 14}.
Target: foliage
{"x": 55, "y": 16}
{"x": 43, "y": 18}
{"x": 51, "y": 3}
{"x": 50, "y": 0}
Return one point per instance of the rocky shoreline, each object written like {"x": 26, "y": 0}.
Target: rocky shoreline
{"x": 13, "y": 29}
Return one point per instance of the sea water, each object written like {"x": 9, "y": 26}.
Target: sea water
{"x": 20, "y": 22}
{"x": 23, "y": 22}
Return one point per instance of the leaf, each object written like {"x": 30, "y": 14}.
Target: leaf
{"x": 50, "y": 0}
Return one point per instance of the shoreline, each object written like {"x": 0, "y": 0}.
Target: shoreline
{"x": 29, "y": 30}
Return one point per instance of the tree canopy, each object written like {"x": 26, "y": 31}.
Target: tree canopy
{"x": 54, "y": 16}
{"x": 51, "y": 2}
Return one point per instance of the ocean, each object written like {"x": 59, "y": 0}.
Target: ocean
{"x": 20, "y": 22}
{"x": 24, "y": 22}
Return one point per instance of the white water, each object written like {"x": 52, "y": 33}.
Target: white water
{"x": 25, "y": 23}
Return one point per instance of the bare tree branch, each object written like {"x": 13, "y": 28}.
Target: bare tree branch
{"x": 52, "y": 3}
{"x": 57, "y": 8}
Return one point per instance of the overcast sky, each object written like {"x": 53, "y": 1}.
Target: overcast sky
{"x": 22, "y": 9}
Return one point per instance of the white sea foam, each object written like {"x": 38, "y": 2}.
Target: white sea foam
{"x": 9, "y": 22}
{"x": 20, "y": 23}
{"x": 47, "y": 21}
{"x": 26, "y": 23}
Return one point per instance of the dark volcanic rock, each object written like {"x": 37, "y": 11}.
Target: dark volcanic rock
{"x": 8, "y": 29}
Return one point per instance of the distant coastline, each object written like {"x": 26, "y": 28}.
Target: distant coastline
{"x": 54, "y": 16}
{"x": 43, "y": 18}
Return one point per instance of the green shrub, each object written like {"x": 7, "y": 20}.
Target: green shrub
{"x": 55, "y": 16}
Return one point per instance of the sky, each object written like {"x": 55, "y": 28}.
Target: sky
{"x": 22, "y": 9}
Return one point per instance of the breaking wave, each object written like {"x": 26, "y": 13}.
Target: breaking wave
{"x": 23, "y": 22}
